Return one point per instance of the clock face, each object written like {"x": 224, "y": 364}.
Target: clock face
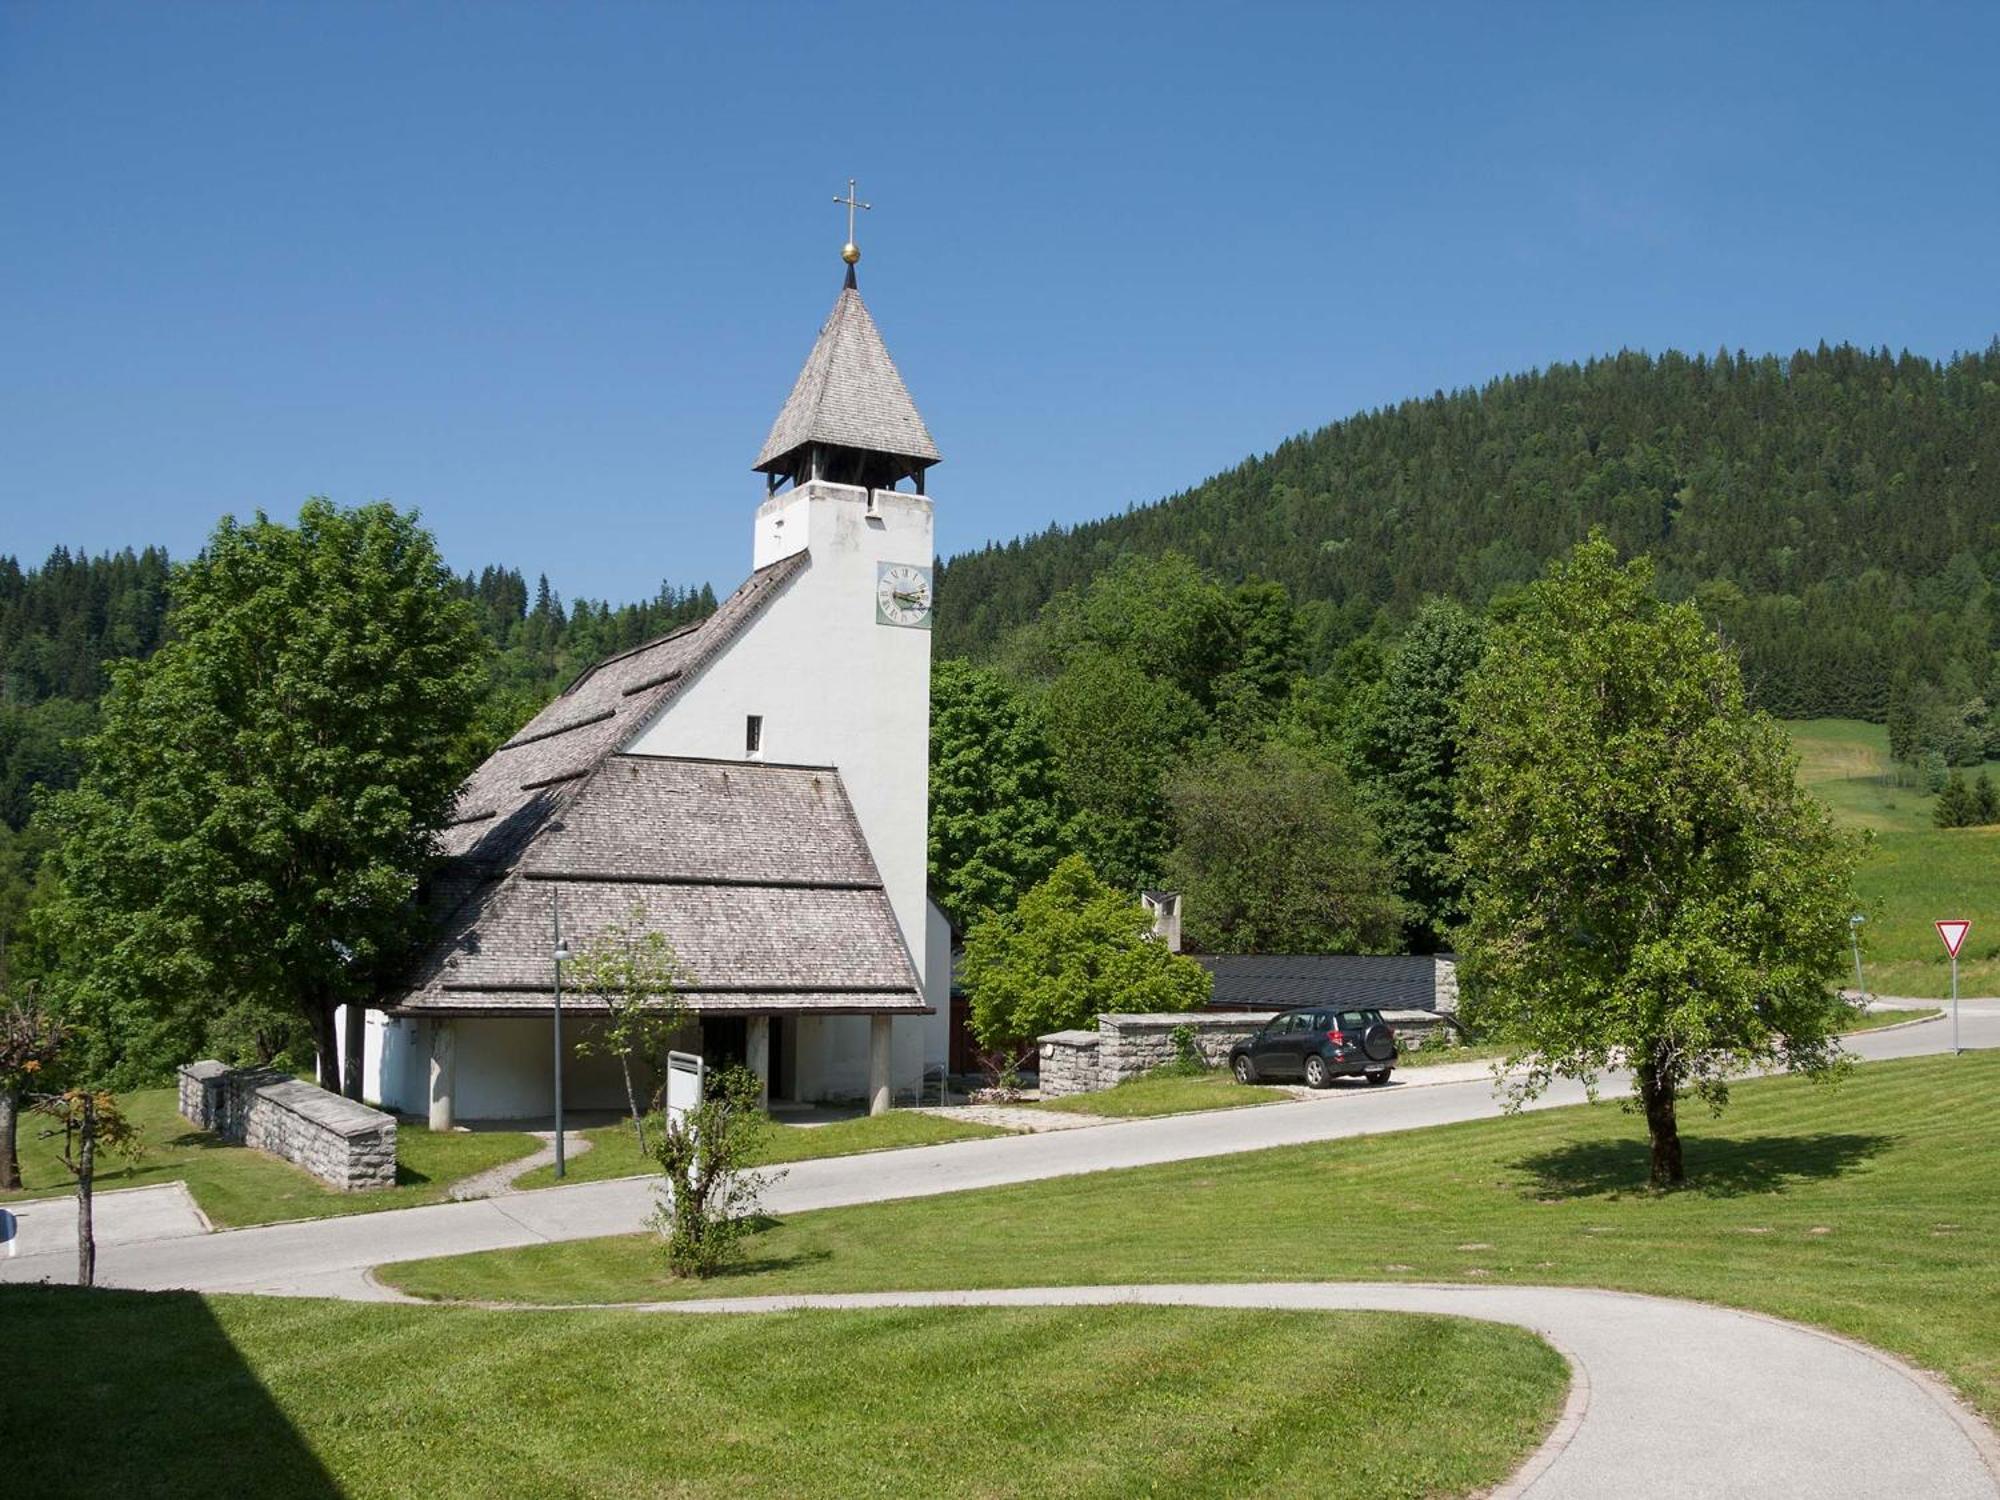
{"x": 903, "y": 595}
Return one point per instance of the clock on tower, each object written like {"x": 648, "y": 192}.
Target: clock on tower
{"x": 903, "y": 595}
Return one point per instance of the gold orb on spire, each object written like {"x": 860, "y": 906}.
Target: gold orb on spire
{"x": 850, "y": 252}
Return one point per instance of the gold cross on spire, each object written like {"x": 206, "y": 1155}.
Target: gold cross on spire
{"x": 851, "y": 252}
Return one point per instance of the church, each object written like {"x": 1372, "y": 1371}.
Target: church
{"x": 754, "y": 787}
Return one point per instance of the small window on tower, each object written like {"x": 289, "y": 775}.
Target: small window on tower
{"x": 753, "y": 735}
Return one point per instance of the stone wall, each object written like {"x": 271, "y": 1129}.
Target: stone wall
{"x": 345, "y": 1144}
{"x": 1068, "y": 1063}
{"x": 1130, "y": 1046}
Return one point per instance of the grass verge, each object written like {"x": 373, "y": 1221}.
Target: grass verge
{"x": 235, "y": 1185}
{"x": 310, "y": 1400}
{"x": 1871, "y": 1207}
{"x": 1164, "y": 1094}
{"x": 614, "y": 1149}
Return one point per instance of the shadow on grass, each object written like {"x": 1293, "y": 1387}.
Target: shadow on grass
{"x": 141, "y": 1393}
{"x": 1717, "y": 1167}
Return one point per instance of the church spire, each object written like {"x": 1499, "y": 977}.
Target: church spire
{"x": 849, "y": 418}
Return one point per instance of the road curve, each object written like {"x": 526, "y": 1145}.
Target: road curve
{"x": 1668, "y": 1398}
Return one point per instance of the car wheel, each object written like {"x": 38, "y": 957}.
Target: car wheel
{"x": 1244, "y": 1072}
{"x": 1380, "y": 1078}
{"x": 1317, "y": 1076}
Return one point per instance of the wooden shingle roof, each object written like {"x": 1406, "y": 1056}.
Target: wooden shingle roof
{"x": 757, "y": 874}
{"x": 849, "y": 395}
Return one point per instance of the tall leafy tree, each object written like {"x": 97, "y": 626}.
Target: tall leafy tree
{"x": 264, "y": 793}
{"x": 1117, "y": 732}
{"x": 1647, "y": 880}
{"x": 997, "y": 819}
{"x": 1407, "y": 741}
{"x": 1072, "y": 948}
{"x": 1276, "y": 855}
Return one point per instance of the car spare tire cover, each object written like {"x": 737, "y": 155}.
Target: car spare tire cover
{"x": 1379, "y": 1042}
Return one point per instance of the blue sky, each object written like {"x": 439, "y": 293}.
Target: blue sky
{"x": 546, "y": 272}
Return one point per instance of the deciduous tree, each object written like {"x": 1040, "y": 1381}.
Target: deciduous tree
{"x": 1406, "y": 750}
{"x": 631, "y": 970}
{"x": 1276, "y": 855}
{"x": 997, "y": 819}
{"x": 265, "y": 792}
{"x": 31, "y": 1039}
{"x": 1647, "y": 882}
{"x": 1071, "y": 948}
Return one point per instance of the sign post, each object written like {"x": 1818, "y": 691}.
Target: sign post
{"x": 1952, "y": 931}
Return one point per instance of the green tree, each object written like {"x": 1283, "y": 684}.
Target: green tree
{"x": 1072, "y": 948}
{"x": 1117, "y": 732}
{"x": 1647, "y": 880}
{"x": 1985, "y": 800}
{"x": 1276, "y": 855}
{"x": 996, "y": 815}
{"x": 632, "y": 971}
{"x": 90, "y": 1121}
{"x": 1957, "y": 805}
{"x": 264, "y": 793}
{"x": 1407, "y": 743}
{"x": 31, "y": 1040}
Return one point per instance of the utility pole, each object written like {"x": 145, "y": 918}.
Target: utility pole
{"x": 559, "y": 952}
{"x": 1854, "y": 935}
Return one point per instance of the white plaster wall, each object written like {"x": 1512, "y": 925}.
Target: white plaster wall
{"x": 835, "y": 688}
{"x": 502, "y": 1073}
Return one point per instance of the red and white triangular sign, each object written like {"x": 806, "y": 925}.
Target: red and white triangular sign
{"x": 1953, "y": 934}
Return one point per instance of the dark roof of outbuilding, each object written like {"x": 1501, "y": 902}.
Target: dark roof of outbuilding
{"x": 1279, "y": 981}
{"x": 758, "y": 874}
{"x": 849, "y": 395}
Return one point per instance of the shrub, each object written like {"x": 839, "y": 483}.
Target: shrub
{"x": 704, "y": 1155}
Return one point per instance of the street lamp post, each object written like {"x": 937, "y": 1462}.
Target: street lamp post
{"x": 1854, "y": 936}
{"x": 558, "y": 953}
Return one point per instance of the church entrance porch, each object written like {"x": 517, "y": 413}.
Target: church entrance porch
{"x": 486, "y": 1068}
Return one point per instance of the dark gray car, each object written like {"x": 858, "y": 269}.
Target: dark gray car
{"x": 1318, "y": 1046}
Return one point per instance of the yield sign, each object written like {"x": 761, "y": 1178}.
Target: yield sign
{"x": 1953, "y": 934}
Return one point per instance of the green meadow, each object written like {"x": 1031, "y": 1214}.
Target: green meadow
{"x": 1912, "y": 873}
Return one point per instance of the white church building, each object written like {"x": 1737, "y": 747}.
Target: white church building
{"x": 755, "y": 784}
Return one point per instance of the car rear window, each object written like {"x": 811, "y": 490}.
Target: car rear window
{"x": 1358, "y": 1020}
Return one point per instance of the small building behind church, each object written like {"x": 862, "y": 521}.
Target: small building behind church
{"x": 756, "y": 785}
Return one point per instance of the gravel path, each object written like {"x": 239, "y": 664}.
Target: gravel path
{"x": 501, "y": 1179}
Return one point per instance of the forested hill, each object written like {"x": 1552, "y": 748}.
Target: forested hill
{"x": 1836, "y": 513}
{"x": 63, "y": 623}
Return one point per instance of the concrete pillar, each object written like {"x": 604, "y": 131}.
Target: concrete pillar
{"x": 444, "y": 1073}
{"x": 757, "y": 1055}
{"x": 878, "y": 1064}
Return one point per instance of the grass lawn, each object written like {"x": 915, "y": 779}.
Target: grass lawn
{"x": 1912, "y": 873}
{"x": 235, "y": 1185}
{"x": 1158, "y": 1094}
{"x": 174, "y": 1394}
{"x": 1875, "y": 1020}
{"x": 1871, "y": 1206}
{"x": 614, "y": 1150}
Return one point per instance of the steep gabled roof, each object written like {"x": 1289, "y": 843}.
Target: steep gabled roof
{"x": 757, "y": 874}
{"x": 849, "y": 395}
{"x": 522, "y": 782}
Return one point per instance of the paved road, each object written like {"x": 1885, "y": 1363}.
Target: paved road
{"x": 1667, "y": 1398}
{"x": 330, "y": 1257}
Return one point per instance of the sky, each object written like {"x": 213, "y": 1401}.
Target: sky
{"x": 546, "y": 272}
